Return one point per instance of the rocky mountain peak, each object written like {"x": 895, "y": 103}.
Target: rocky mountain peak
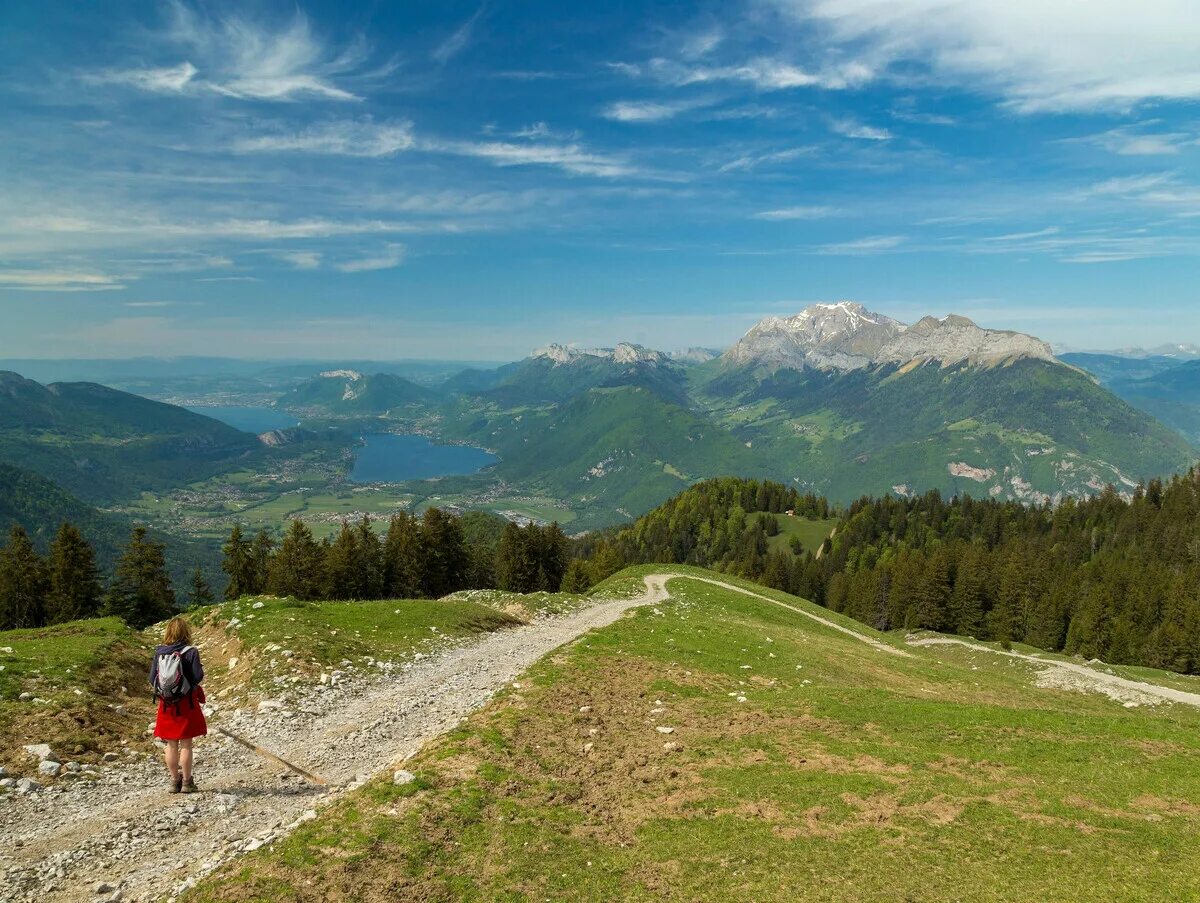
{"x": 624, "y": 353}
{"x": 847, "y": 336}
{"x": 842, "y": 336}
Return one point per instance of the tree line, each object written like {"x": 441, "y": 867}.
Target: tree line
{"x": 1104, "y": 577}
{"x": 66, "y": 584}
{"x": 417, "y": 557}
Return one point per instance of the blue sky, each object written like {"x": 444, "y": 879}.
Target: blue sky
{"x": 387, "y": 180}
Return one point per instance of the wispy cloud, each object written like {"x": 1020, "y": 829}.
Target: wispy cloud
{"x": 646, "y": 110}
{"x": 157, "y": 304}
{"x": 1123, "y": 185}
{"x": 851, "y": 128}
{"x": 1038, "y": 55}
{"x": 457, "y": 42}
{"x": 389, "y": 258}
{"x": 763, "y": 73}
{"x": 301, "y": 260}
{"x": 794, "y": 213}
{"x": 572, "y": 158}
{"x": 165, "y": 80}
{"x": 364, "y": 138}
{"x": 58, "y": 281}
{"x": 239, "y": 57}
{"x": 1133, "y": 141}
{"x": 870, "y": 245}
{"x": 748, "y": 162}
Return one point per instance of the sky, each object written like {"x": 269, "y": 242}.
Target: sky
{"x": 471, "y": 180}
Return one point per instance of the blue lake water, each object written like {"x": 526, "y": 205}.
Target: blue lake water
{"x": 389, "y": 458}
{"x": 250, "y": 419}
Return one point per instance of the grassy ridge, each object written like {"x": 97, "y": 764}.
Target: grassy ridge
{"x": 87, "y": 682}
{"x": 801, "y": 764}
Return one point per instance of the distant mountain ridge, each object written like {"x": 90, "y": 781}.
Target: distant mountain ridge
{"x": 846, "y": 336}
{"x": 102, "y": 444}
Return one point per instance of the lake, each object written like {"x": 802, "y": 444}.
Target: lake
{"x": 250, "y": 419}
{"x": 391, "y": 458}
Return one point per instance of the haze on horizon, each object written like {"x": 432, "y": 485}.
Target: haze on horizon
{"x": 272, "y": 180}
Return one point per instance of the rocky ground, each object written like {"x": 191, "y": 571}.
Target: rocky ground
{"x": 114, "y": 833}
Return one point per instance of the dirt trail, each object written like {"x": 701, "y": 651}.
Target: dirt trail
{"x": 1071, "y": 676}
{"x": 60, "y": 844}
{"x": 861, "y": 637}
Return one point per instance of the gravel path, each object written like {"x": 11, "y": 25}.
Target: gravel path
{"x": 100, "y": 839}
{"x": 1071, "y": 676}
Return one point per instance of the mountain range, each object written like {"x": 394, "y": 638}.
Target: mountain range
{"x": 102, "y": 444}
{"x": 836, "y": 400}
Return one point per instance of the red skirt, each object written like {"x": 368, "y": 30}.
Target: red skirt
{"x": 181, "y": 720}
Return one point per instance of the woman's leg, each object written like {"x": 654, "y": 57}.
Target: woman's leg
{"x": 171, "y": 754}
{"x": 185, "y": 759}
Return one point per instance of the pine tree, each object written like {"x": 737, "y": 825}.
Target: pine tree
{"x": 576, "y": 579}
{"x": 370, "y": 561}
{"x": 199, "y": 592}
{"x": 404, "y": 558}
{"x": 23, "y": 583}
{"x": 446, "y": 560}
{"x": 298, "y": 567}
{"x": 141, "y": 592}
{"x": 74, "y": 579}
{"x": 260, "y": 554}
{"x": 341, "y": 565}
{"x": 516, "y": 561}
{"x": 554, "y": 556}
{"x": 239, "y": 564}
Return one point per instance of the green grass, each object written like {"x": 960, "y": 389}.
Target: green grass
{"x": 74, "y": 672}
{"x": 324, "y": 634}
{"x": 811, "y": 532}
{"x": 845, "y": 774}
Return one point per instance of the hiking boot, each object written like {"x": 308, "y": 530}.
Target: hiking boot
{"x": 189, "y": 786}
{"x": 174, "y": 785}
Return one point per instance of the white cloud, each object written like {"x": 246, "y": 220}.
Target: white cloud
{"x": 852, "y": 129}
{"x": 390, "y": 257}
{"x": 1123, "y": 186}
{"x": 301, "y": 260}
{"x": 1039, "y": 55}
{"x": 458, "y": 41}
{"x": 790, "y": 213}
{"x": 247, "y": 229}
{"x": 569, "y": 157}
{"x": 166, "y": 80}
{"x": 239, "y": 57}
{"x": 870, "y": 245}
{"x": 58, "y": 281}
{"x": 748, "y": 162}
{"x": 349, "y": 138}
{"x": 645, "y": 110}
{"x": 157, "y": 304}
{"x": 1130, "y": 142}
{"x": 763, "y": 73}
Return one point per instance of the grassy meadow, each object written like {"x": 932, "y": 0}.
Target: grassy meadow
{"x": 718, "y": 747}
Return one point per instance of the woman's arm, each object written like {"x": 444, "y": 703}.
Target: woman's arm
{"x": 153, "y": 667}
{"x": 197, "y": 669}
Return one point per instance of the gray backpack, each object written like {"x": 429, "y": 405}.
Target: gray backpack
{"x": 171, "y": 681}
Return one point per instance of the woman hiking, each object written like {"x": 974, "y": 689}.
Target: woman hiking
{"x": 176, "y": 675}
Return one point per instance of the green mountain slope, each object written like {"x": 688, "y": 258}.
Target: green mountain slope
{"x": 41, "y": 507}
{"x": 102, "y": 444}
{"x": 718, "y": 746}
{"x": 1173, "y": 396}
{"x": 608, "y": 452}
{"x": 1028, "y": 430}
{"x": 348, "y": 392}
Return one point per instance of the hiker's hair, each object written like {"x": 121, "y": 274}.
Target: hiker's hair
{"x": 178, "y": 631}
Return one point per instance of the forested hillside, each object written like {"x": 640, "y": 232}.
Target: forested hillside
{"x": 1103, "y": 577}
